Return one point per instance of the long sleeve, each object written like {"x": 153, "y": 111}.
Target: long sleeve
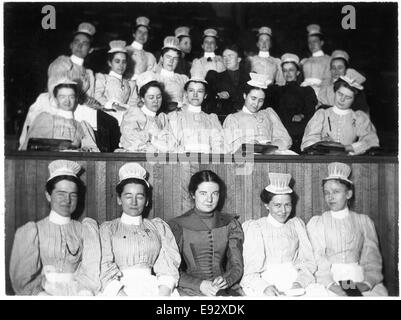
{"x": 310, "y": 103}
{"x": 185, "y": 280}
{"x": 92, "y": 83}
{"x": 280, "y": 136}
{"x": 313, "y": 130}
{"x": 370, "y": 259}
{"x": 88, "y": 140}
{"x": 88, "y": 273}
{"x": 42, "y": 127}
{"x": 216, "y": 135}
{"x": 254, "y": 259}
{"x": 235, "y": 263}
{"x": 133, "y": 97}
{"x": 100, "y": 88}
{"x": 366, "y": 132}
{"x": 315, "y": 230}
{"x": 109, "y": 272}
{"x": 133, "y": 135}
{"x": 25, "y": 263}
{"x": 169, "y": 259}
{"x": 305, "y": 262}
{"x": 232, "y": 134}
{"x": 279, "y": 74}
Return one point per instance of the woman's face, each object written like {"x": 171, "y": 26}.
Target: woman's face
{"x": 66, "y": 99}
{"x": 290, "y": 72}
{"x": 170, "y": 60}
{"x": 185, "y": 45}
{"x": 209, "y": 44}
{"x": 153, "y": 99}
{"x": 254, "y": 100}
{"x": 315, "y": 44}
{"x": 80, "y": 45}
{"x": 264, "y": 42}
{"x": 336, "y": 195}
{"x": 141, "y": 35}
{"x": 207, "y": 196}
{"x": 133, "y": 199}
{"x": 344, "y": 98}
{"x": 119, "y": 63}
{"x": 280, "y": 207}
{"x": 64, "y": 198}
{"x": 337, "y": 68}
{"x": 196, "y": 93}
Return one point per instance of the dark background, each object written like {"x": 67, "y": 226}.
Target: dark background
{"x": 373, "y": 45}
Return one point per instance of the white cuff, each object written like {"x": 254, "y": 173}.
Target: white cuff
{"x": 359, "y": 147}
{"x": 330, "y": 284}
{"x": 112, "y": 288}
{"x": 109, "y": 104}
{"x": 368, "y": 284}
{"x": 167, "y": 281}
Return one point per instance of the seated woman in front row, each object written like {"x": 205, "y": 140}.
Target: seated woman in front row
{"x": 344, "y": 242}
{"x": 255, "y": 126}
{"x": 339, "y": 123}
{"x": 278, "y": 257}
{"x": 60, "y": 123}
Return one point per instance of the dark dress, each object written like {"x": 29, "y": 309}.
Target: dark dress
{"x": 208, "y": 252}
{"x": 108, "y": 132}
{"x": 288, "y": 101}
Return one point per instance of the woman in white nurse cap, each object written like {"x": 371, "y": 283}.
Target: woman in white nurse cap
{"x": 345, "y": 243}
{"x": 133, "y": 247}
{"x": 283, "y": 264}
{"x": 57, "y": 255}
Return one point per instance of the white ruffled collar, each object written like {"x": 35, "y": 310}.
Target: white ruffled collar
{"x": 194, "y": 109}
{"x": 166, "y": 73}
{"x": 129, "y": 220}
{"x": 341, "y": 112}
{"x": 274, "y": 222}
{"x": 56, "y": 218}
{"x": 246, "y": 110}
{"x": 115, "y": 75}
{"x": 148, "y": 112}
{"x": 319, "y": 53}
{"x": 77, "y": 60}
{"x": 64, "y": 114}
{"x": 137, "y": 45}
{"x": 264, "y": 54}
{"x": 341, "y": 214}
{"x": 209, "y": 55}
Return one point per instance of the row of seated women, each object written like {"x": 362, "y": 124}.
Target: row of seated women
{"x": 203, "y": 252}
{"x": 112, "y": 112}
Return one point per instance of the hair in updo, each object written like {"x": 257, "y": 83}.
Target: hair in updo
{"x": 51, "y": 184}
{"x": 122, "y": 184}
{"x": 146, "y": 87}
{"x": 65, "y": 85}
{"x": 267, "y": 196}
{"x": 341, "y": 83}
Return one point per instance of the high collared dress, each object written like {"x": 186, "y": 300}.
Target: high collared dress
{"x": 56, "y": 256}
{"x": 276, "y": 254}
{"x": 142, "y": 60}
{"x": 316, "y": 70}
{"x": 264, "y": 63}
{"x": 346, "y": 247}
{"x": 61, "y": 124}
{"x": 210, "y": 246}
{"x": 263, "y": 126}
{"x": 112, "y": 88}
{"x": 347, "y": 127}
{"x": 144, "y": 131}
{"x": 196, "y": 131}
{"x": 138, "y": 255}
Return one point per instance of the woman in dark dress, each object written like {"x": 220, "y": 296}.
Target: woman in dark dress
{"x": 210, "y": 242}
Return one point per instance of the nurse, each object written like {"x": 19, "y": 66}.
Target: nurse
{"x": 58, "y": 256}
{"x": 264, "y": 63}
{"x": 278, "y": 257}
{"x": 252, "y": 125}
{"x": 173, "y": 83}
{"x": 316, "y": 69}
{"x": 210, "y": 242}
{"x": 112, "y": 90}
{"x": 142, "y": 60}
{"x": 209, "y": 60}
{"x": 139, "y": 256}
{"x": 352, "y": 129}
{"x": 345, "y": 243}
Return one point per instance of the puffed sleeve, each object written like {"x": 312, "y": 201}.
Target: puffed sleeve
{"x": 133, "y": 135}
{"x": 280, "y": 136}
{"x": 254, "y": 259}
{"x": 305, "y": 262}
{"x": 220, "y": 67}
{"x": 279, "y": 74}
{"x": 42, "y": 127}
{"x": 315, "y": 230}
{"x": 185, "y": 280}
{"x": 87, "y": 136}
{"x": 25, "y": 264}
{"x": 216, "y": 135}
{"x": 151, "y": 61}
{"x": 235, "y": 262}
{"x": 371, "y": 259}
{"x": 109, "y": 272}
{"x": 175, "y": 120}
{"x": 100, "y": 88}
{"x": 232, "y": 134}
{"x": 92, "y": 83}
{"x": 169, "y": 259}
{"x": 313, "y": 130}
{"x": 196, "y": 67}
{"x": 133, "y": 96}
{"x": 88, "y": 274}
{"x": 164, "y": 140}
{"x": 366, "y": 132}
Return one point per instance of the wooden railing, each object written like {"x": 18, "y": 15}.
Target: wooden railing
{"x": 375, "y": 179}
